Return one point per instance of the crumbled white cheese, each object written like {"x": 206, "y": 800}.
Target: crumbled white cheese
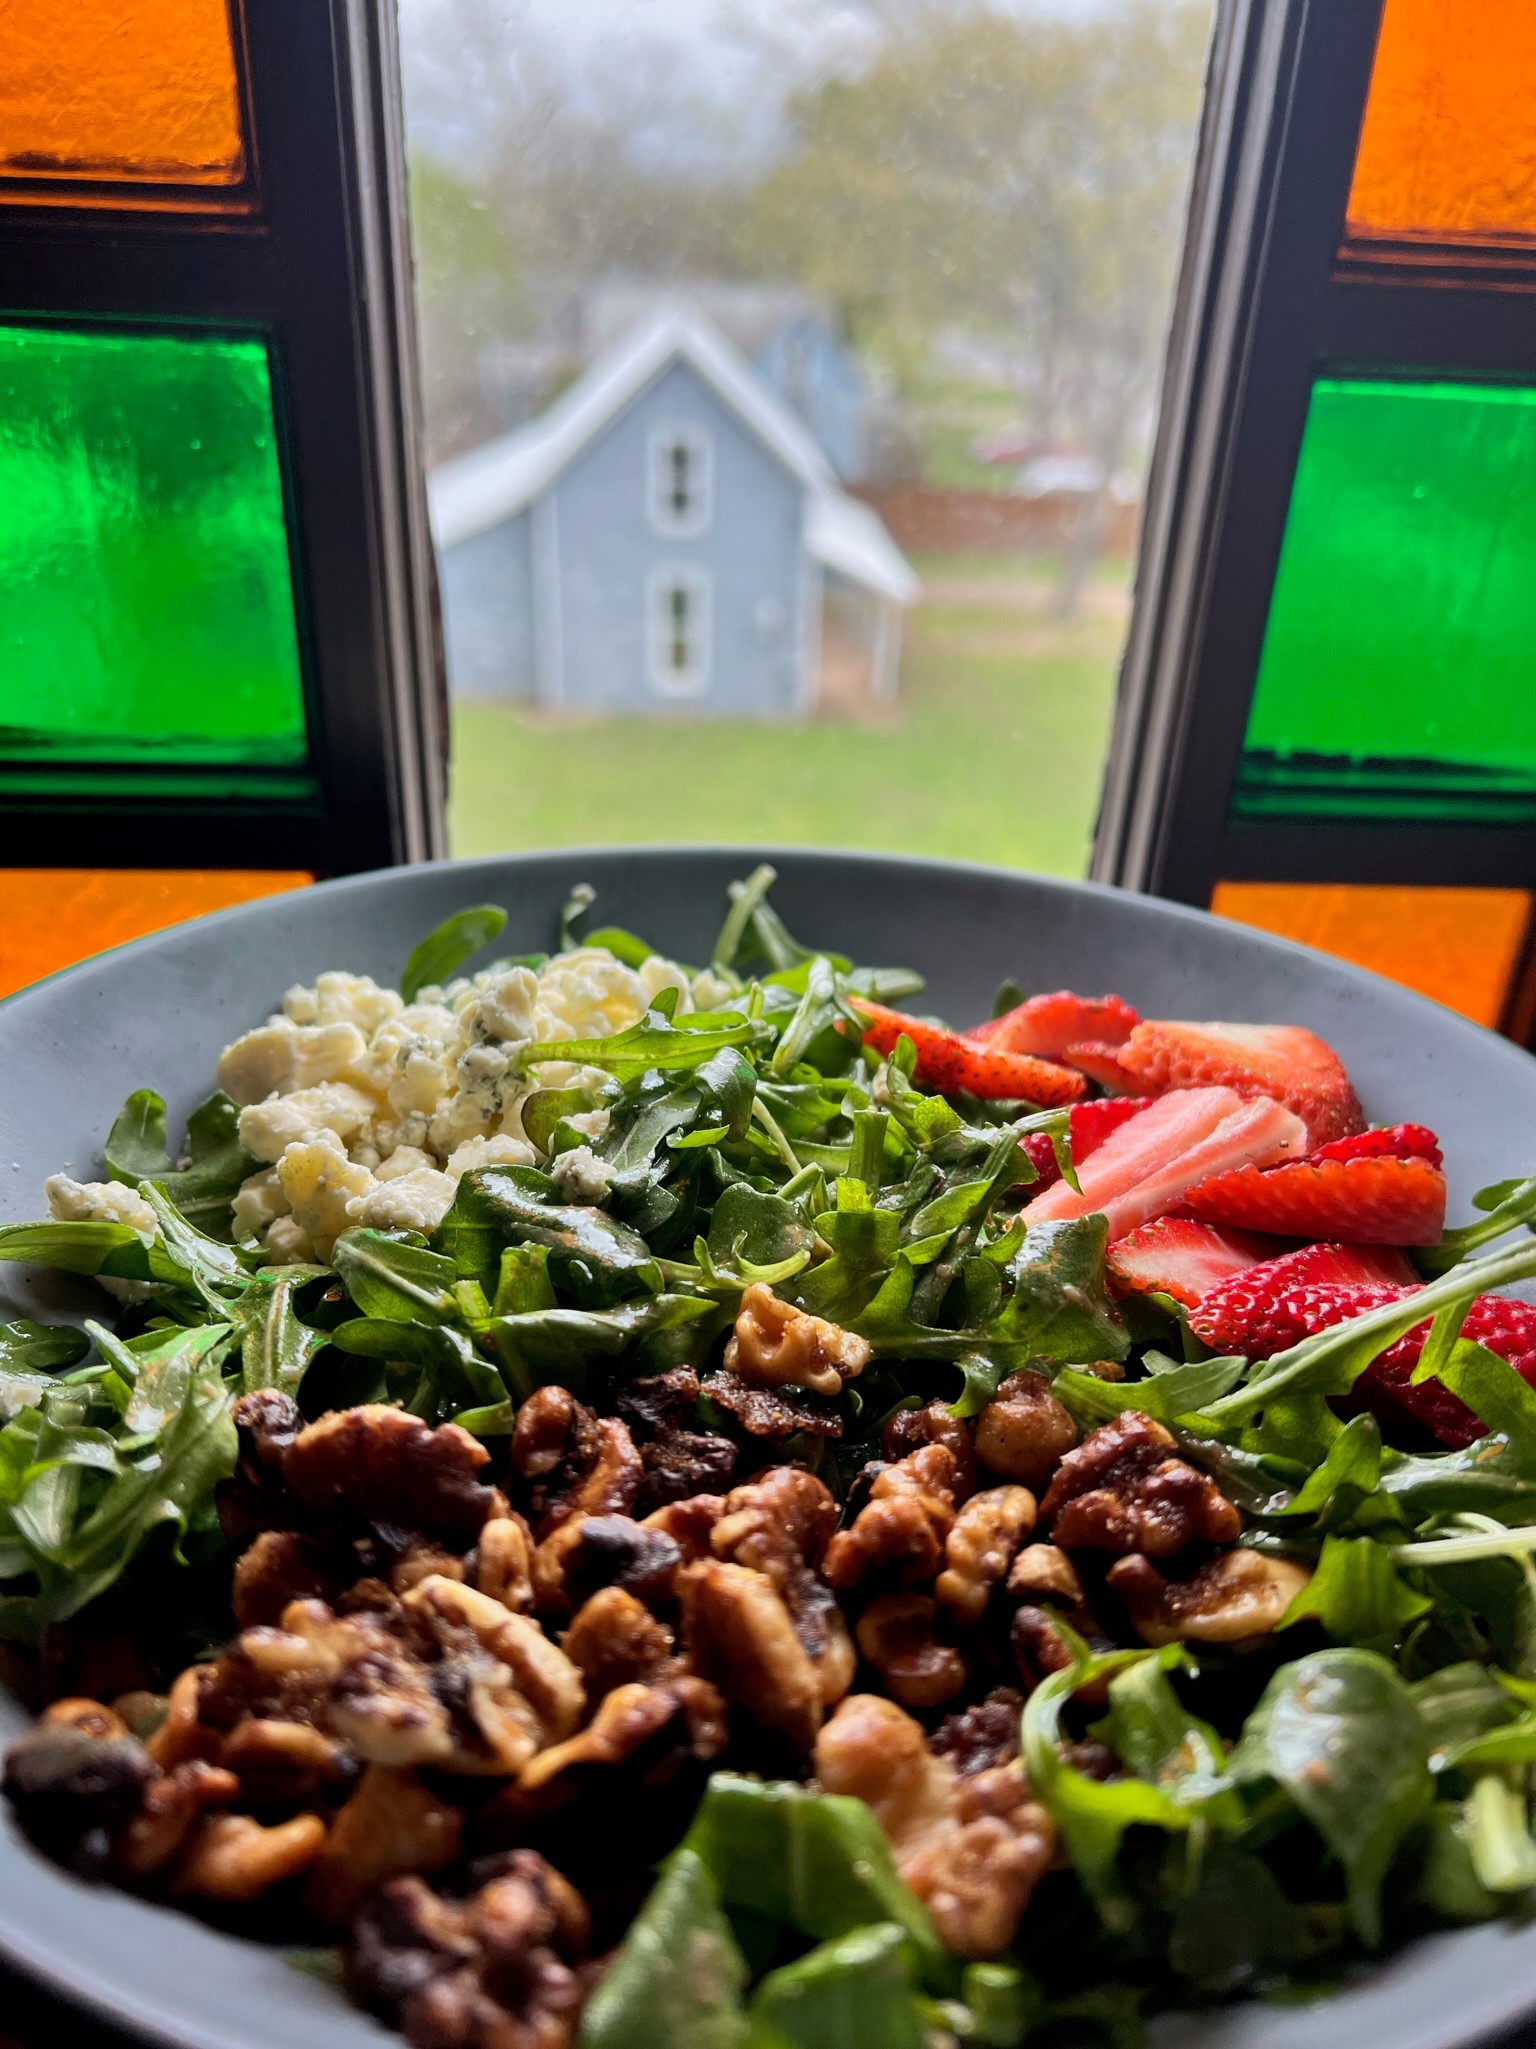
{"x": 499, "y": 1151}
{"x": 267, "y": 1129}
{"x": 417, "y": 1201}
{"x": 321, "y": 1184}
{"x": 97, "y": 1202}
{"x": 581, "y": 1175}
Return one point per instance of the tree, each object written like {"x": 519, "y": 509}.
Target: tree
{"x": 1018, "y": 176}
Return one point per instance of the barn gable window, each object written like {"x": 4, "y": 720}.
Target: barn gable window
{"x": 679, "y": 630}
{"x": 681, "y": 480}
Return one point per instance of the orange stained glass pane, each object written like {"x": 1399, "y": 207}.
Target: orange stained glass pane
{"x": 1448, "y": 145}
{"x": 1460, "y": 946}
{"x": 53, "y": 917}
{"x": 141, "y": 91}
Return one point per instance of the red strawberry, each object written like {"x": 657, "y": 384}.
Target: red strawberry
{"x": 1178, "y": 1257}
{"x": 1346, "y": 1266}
{"x": 1266, "y": 1310}
{"x": 1394, "y": 1141}
{"x": 1378, "y": 1200}
{"x": 1284, "y": 1062}
{"x": 1155, "y": 1158}
{"x": 1088, "y": 1125}
{"x": 1050, "y": 1024}
{"x": 946, "y": 1062}
{"x": 1101, "y": 1063}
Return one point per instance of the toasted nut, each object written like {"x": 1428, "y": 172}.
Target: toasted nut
{"x": 181, "y": 1736}
{"x": 503, "y": 1557}
{"x": 234, "y": 1858}
{"x": 739, "y": 1635}
{"x": 629, "y": 1719}
{"x": 1232, "y": 1598}
{"x": 777, "y": 1345}
{"x": 895, "y": 1635}
{"x": 776, "y": 1523}
{"x": 282, "y": 1763}
{"x": 1044, "y": 1572}
{"x": 422, "y": 1561}
{"x": 172, "y": 1807}
{"x": 982, "y": 1735}
{"x": 1123, "y": 1490}
{"x": 543, "y": 1675}
{"x": 1024, "y": 1432}
{"x": 901, "y": 1531}
{"x": 690, "y": 1523}
{"x": 987, "y": 1533}
{"x": 279, "y": 1567}
{"x": 392, "y": 1823}
{"x": 910, "y": 1429}
{"x": 88, "y": 1716}
{"x": 384, "y": 1465}
{"x": 615, "y": 1640}
{"x": 615, "y": 1550}
{"x": 874, "y": 1751}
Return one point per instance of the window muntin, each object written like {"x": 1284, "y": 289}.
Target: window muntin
{"x": 680, "y": 606}
{"x": 681, "y": 480}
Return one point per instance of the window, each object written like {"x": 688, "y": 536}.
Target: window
{"x": 680, "y": 630}
{"x": 681, "y": 478}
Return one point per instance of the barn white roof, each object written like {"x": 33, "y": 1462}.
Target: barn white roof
{"x": 478, "y": 491}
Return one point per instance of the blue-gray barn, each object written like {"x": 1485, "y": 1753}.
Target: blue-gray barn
{"x": 667, "y": 535}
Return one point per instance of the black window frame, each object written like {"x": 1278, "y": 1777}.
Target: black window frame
{"x": 1271, "y": 297}
{"x": 311, "y": 253}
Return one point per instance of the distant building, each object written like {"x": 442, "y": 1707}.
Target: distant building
{"x": 668, "y": 534}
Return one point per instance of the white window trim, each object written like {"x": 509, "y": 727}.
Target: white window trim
{"x": 700, "y": 443}
{"x": 665, "y": 680}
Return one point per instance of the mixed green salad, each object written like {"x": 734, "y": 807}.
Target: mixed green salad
{"x": 1054, "y": 1501}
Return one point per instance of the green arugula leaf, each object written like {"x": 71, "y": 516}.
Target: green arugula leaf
{"x": 40, "y": 1348}
{"x": 1350, "y": 1470}
{"x": 389, "y": 1278}
{"x": 622, "y": 945}
{"x": 656, "y": 1040}
{"x": 591, "y": 1256}
{"x": 1509, "y": 1205}
{"x": 1154, "y": 1734}
{"x": 1171, "y": 1389}
{"x": 434, "y": 959}
{"x": 1357, "y": 1594}
{"x": 135, "y": 1148}
{"x": 678, "y": 1977}
{"x": 1342, "y": 1734}
{"x": 1058, "y": 1304}
{"x": 855, "y": 1992}
{"x": 1458, "y": 1703}
{"x": 275, "y": 1346}
{"x": 1498, "y": 1825}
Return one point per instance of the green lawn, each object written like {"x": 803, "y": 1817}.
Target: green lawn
{"x": 994, "y": 752}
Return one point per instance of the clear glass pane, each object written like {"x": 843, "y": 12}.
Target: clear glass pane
{"x": 1395, "y": 680}
{"x": 790, "y": 375}
{"x": 139, "y": 92}
{"x": 146, "y": 603}
{"x": 1448, "y": 145}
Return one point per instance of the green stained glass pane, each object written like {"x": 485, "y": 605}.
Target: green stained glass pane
{"x": 146, "y": 603}
{"x": 1398, "y": 674}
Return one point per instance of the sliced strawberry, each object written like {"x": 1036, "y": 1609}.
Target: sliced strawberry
{"x": 1050, "y": 1024}
{"x": 1088, "y": 1125}
{"x": 1346, "y": 1266}
{"x": 948, "y": 1063}
{"x": 1145, "y": 1167}
{"x": 1178, "y": 1257}
{"x": 1393, "y": 1141}
{"x": 1266, "y": 1310}
{"x": 1101, "y": 1063}
{"x": 1284, "y": 1062}
{"x": 1380, "y": 1200}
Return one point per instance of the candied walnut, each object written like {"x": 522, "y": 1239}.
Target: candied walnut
{"x": 1044, "y": 1572}
{"x": 501, "y": 1563}
{"x": 776, "y": 1345}
{"x": 72, "y": 1790}
{"x": 1024, "y": 1432}
{"x": 545, "y": 1695}
{"x": 686, "y": 1716}
{"x": 1124, "y": 1490}
{"x": 542, "y": 1431}
{"x": 910, "y": 1429}
{"x": 678, "y": 1461}
{"x": 895, "y": 1636}
{"x": 740, "y": 1635}
{"x": 972, "y": 1849}
{"x": 282, "y": 1764}
{"x": 779, "y": 1524}
{"x": 1231, "y": 1599}
{"x": 172, "y": 1807}
{"x": 279, "y": 1567}
{"x": 392, "y": 1823}
{"x": 615, "y": 1640}
{"x": 1046, "y": 1583}
{"x": 614, "y": 1550}
{"x": 987, "y": 1535}
{"x": 901, "y": 1532}
{"x": 690, "y": 1523}
{"x": 383, "y": 1465}
{"x": 88, "y": 1716}
{"x": 489, "y": 1972}
{"x": 419, "y": 1561}
{"x": 977, "y": 1879}
{"x": 983, "y": 1735}
{"x": 234, "y": 1859}
{"x": 266, "y": 1423}
{"x": 182, "y": 1734}
{"x": 765, "y": 1412}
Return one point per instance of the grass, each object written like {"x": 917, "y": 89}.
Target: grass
{"x": 994, "y": 752}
